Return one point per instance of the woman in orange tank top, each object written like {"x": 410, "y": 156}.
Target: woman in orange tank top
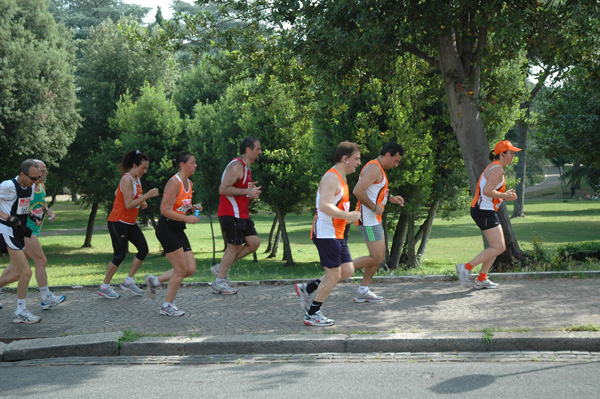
{"x": 489, "y": 193}
{"x": 122, "y": 225}
{"x": 170, "y": 231}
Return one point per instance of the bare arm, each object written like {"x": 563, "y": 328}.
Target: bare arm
{"x": 328, "y": 187}
{"x": 494, "y": 177}
{"x": 166, "y": 205}
{"x": 233, "y": 174}
{"x": 127, "y": 188}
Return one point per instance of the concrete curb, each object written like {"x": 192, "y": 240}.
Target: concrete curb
{"x": 108, "y": 344}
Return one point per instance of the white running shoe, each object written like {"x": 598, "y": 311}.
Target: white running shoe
{"x": 317, "y": 320}
{"x": 368, "y": 296}
{"x": 485, "y": 284}
{"x": 223, "y": 288}
{"x": 52, "y": 300}
{"x": 134, "y": 289}
{"x": 25, "y": 317}
{"x": 108, "y": 292}
{"x": 463, "y": 274}
{"x": 171, "y": 310}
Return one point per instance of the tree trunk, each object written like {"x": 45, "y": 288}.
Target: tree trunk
{"x": 276, "y": 241}
{"x": 384, "y": 224}
{"x": 287, "y": 248}
{"x": 426, "y": 230}
{"x": 519, "y": 207}
{"x": 272, "y": 234}
{"x": 90, "y": 226}
{"x": 409, "y": 247}
{"x": 513, "y": 253}
{"x": 212, "y": 234}
{"x": 398, "y": 241}
{"x": 462, "y": 88}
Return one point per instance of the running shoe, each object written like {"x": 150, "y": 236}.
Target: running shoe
{"x": 108, "y": 292}
{"x": 223, "y": 288}
{"x": 317, "y": 320}
{"x": 151, "y": 288}
{"x": 25, "y": 317}
{"x": 214, "y": 269}
{"x": 306, "y": 299}
{"x": 52, "y": 300}
{"x": 463, "y": 274}
{"x": 485, "y": 284}
{"x": 134, "y": 289}
{"x": 368, "y": 296}
{"x": 171, "y": 310}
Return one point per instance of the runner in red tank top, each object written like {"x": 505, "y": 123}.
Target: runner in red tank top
{"x": 237, "y": 189}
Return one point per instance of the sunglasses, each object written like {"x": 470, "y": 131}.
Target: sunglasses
{"x": 36, "y": 178}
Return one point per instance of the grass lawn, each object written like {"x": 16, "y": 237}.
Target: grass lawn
{"x": 555, "y": 221}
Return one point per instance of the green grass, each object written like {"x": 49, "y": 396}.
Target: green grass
{"x": 452, "y": 241}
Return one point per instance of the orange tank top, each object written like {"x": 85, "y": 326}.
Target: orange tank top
{"x": 119, "y": 212}
{"x": 183, "y": 201}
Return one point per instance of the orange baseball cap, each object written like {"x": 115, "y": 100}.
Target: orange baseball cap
{"x": 504, "y": 146}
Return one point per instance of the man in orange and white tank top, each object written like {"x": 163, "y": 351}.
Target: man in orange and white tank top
{"x": 373, "y": 194}
{"x": 489, "y": 194}
{"x": 237, "y": 189}
{"x": 332, "y": 215}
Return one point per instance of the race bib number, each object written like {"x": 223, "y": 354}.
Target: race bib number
{"x": 186, "y": 205}
{"x": 346, "y": 206}
{"x": 23, "y": 206}
{"x": 38, "y": 211}
{"x": 386, "y": 195}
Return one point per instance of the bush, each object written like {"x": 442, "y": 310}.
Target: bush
{"x": 581, "y": 251}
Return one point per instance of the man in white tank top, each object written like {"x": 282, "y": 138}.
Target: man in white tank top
{"x": 373, "y": 194}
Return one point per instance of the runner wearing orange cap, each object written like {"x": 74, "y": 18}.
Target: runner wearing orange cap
{"x": 489, "y": 194}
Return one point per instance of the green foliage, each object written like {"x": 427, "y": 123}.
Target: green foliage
{"x": 540, "y": 254}
{"x": 578, "y": 251}
{"x": 152, "y": 125}
{"x": 37, "y": 94}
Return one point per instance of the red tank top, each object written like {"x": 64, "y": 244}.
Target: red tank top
{"x": 237, "y": 206}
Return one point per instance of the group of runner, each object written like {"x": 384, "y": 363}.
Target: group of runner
{"x": 22, "y": 208}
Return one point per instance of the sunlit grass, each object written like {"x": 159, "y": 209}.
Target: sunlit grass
{"x": 452, "y": 241}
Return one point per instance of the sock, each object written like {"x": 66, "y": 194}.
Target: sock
{"x": 362, "y": 289}
{"x": 220, "y": 280}
{"x": 314, "y": 307}
{"x": 166, "y": 304}
{"x": 20, "y": 305}
{"x": 129, "y": 280}
{"x": 104, "y": 286}
{"x": 312, "y": 287}
{"x": 155, "y": 281}
{"x": 482, "y": 276}
{"x": 468, "y": 266}
{"x": 45, "y": 292}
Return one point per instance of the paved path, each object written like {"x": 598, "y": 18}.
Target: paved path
{"x": 422, "y": 306}
{"x": 551, "y": 179}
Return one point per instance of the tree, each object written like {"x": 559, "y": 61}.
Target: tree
{"x": 37, "y": 95}
{"x": 462, "y": 38}
{"x": 110, "y": 67}
{"x": 83, "y": 15}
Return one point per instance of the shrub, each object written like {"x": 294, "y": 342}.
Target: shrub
{"x": 581, "y": 251}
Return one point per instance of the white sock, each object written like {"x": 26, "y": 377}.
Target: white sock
{"x": 129, "y": 280}
{"x": 104, "y": 286}
{"x": 166, "y": 304}
{"x": 155, "y": 281}
{"x": 220, "y": 280}
{"x": 45, "y": 292}
{"x": 362, "y": 289}
{"x": 20, "y": 305}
